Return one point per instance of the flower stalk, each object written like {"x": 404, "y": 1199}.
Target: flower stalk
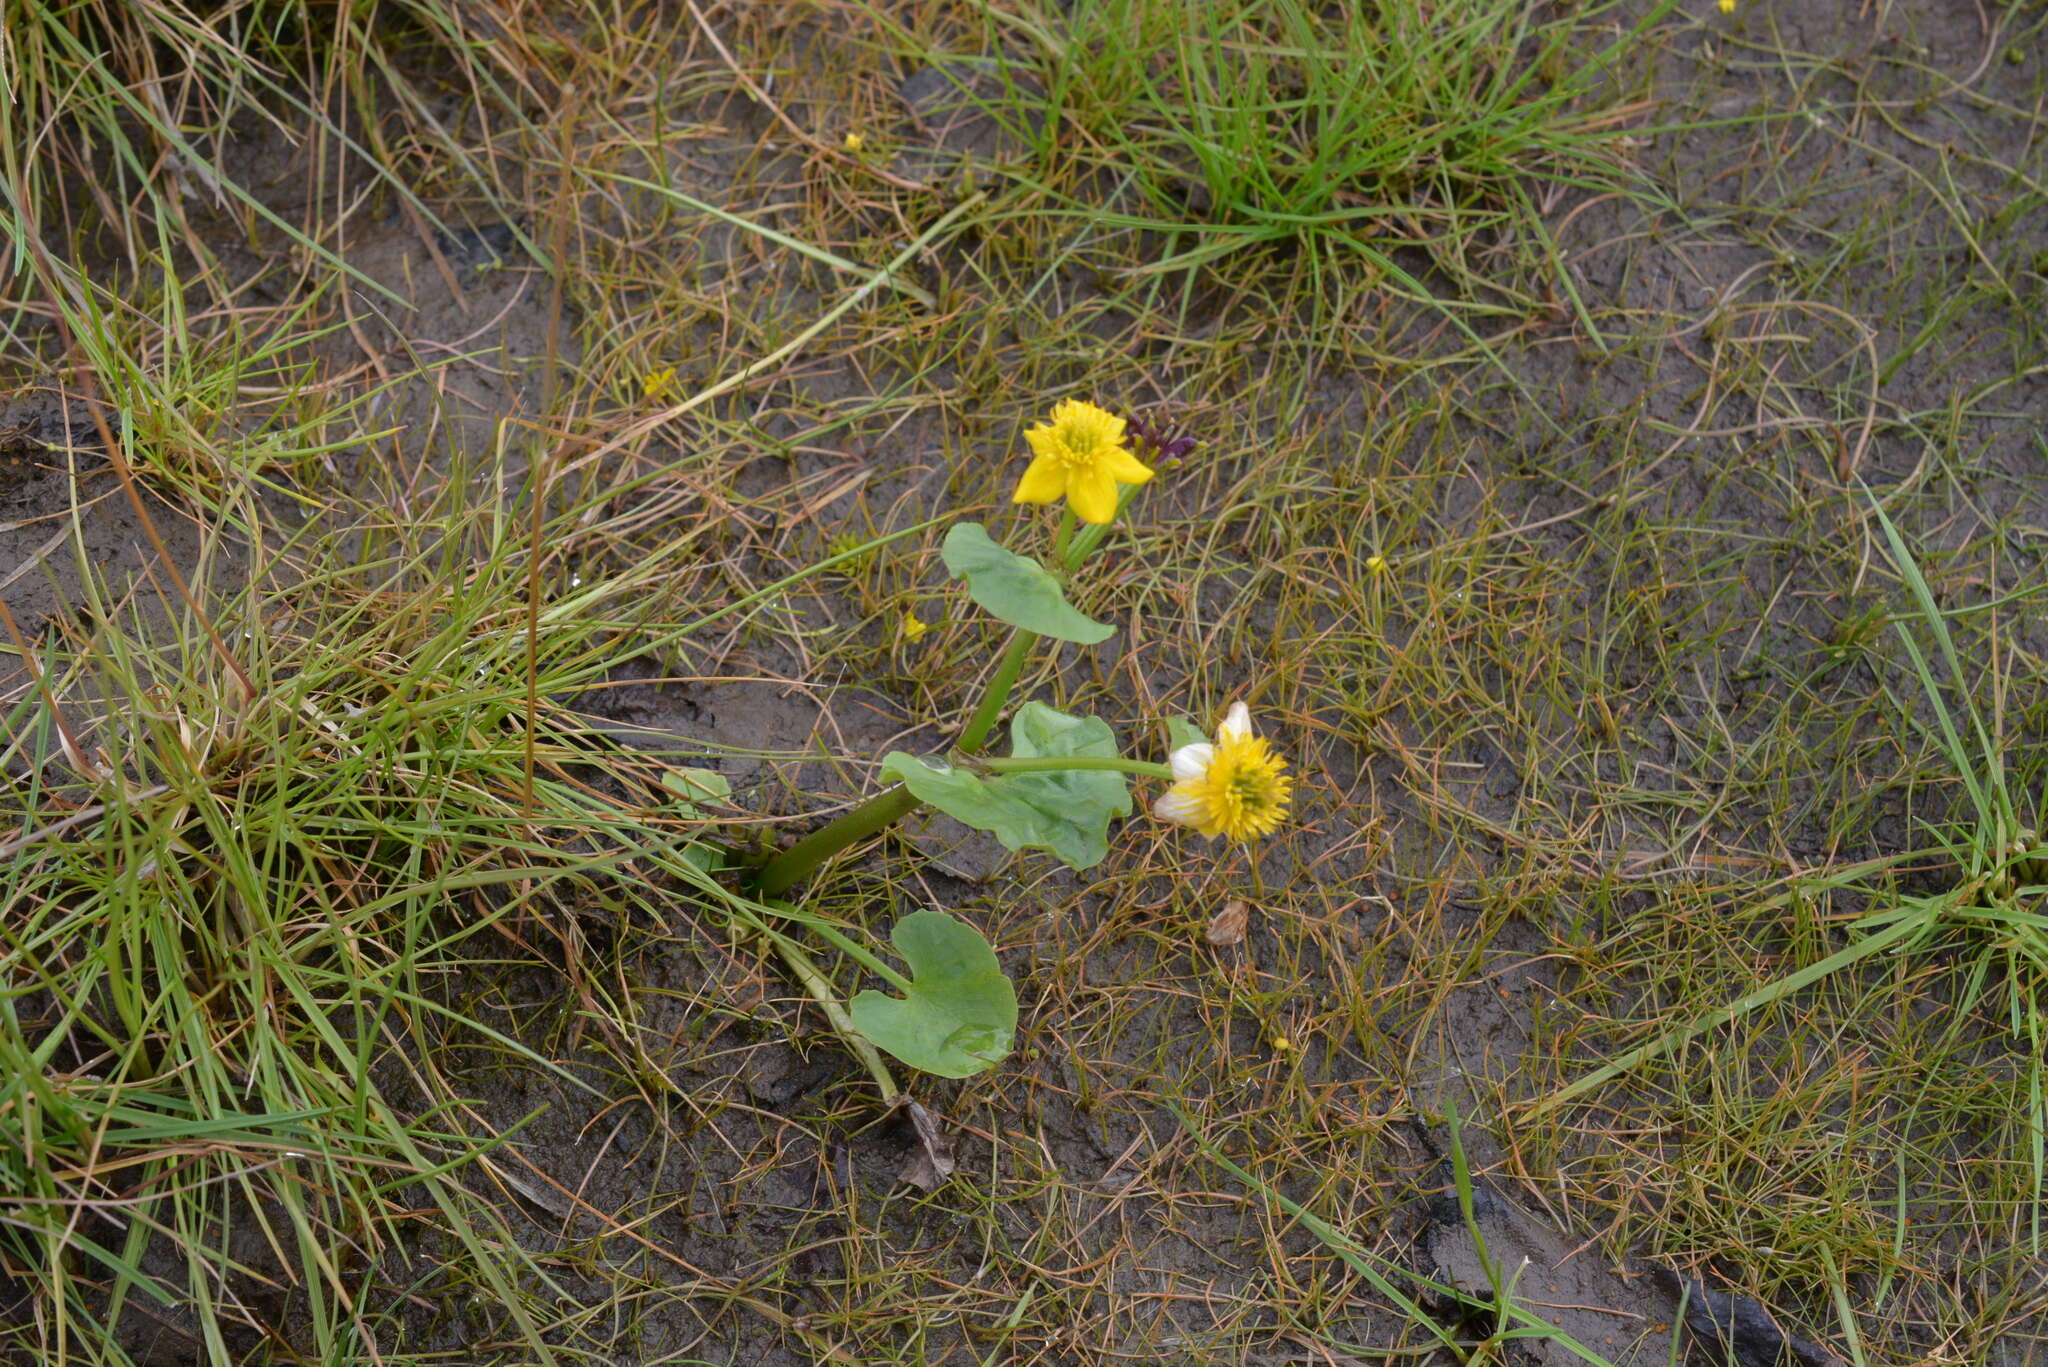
{"x": 796, "y": 863}
{"x": 1051, "y": 764}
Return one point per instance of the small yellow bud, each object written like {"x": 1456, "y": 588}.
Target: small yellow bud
{"x": 1376, "y": 564}
{"x": 914, "y": 630}
{"x": 658, "y": 383}
{"x": 1727, "y": 6}
{"x": 854, "y": 142}
{"x": 1281, "y": 1044}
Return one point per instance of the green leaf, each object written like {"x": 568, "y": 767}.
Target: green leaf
{"x": 1015, "y": 588}
{"x": 1065, "y": 812}
{"x": 958, "y": 1015}
{"x": 693, "y": 786}
{"x": 1180, "y": 731}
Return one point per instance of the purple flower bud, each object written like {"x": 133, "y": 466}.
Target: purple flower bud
{"x": 1157, "y": 441}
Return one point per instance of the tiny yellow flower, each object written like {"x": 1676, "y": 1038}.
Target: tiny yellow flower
{"x": 1079, "y": 455}
{"x": 914, "y": 630}
{"x": 1376, "y": 564}
{"x": 1281, "y": 1044}
{"x": 1727, "y": 6}
{"x": 659, "y": 382}
{"x": 854, "y": 142}
{"x": 1236, "y": 787}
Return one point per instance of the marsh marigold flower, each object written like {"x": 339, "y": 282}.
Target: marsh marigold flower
{"x": 1235, "y": 787}
{"x": 1079, "y": 455}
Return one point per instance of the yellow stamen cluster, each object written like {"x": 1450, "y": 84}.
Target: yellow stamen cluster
{"x": 1246, "y": 792}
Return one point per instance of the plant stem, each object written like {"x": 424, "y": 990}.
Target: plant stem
{"x": 999, "y": 685}
{"x": 883, "y": 810}
{"x": 794, "y": 864}
{"x": 1059, "y": 540}
{"x": 1084, "y": 545}
{"x": 1047, "y": 764}
{"x": 821, "y": 992}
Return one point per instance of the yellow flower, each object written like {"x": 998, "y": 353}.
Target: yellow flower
{"x": 854, "y": 142}
{"x": 914, "y": 630}
{"x": 658, "y": 382}
{"x": 1727, "y": 6}
{"x": 1376, "y": 564}
{"x": 1236, "y": 787}
{"x": 1079, "y": 456}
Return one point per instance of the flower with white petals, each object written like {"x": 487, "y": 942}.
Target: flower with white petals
{"x": 1234, "y": 786}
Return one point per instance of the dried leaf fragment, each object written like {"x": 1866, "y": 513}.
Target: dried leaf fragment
{"x": 1227, "y": 927}
{"x": 930, "y": 1160}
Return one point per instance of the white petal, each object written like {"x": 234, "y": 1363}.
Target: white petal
{"x": 1181, "y": 808}
{"x": 1192, "y": 761}
{"x": 1237, "y": 723}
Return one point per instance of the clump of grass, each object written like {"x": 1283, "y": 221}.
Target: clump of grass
{"x": 1260, "y": 135}
{"x": 244, "y": 854}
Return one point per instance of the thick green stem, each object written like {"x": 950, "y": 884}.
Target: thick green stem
{"x": 794, "y": 864}
{"x": 883, "y": 810}
{"x": 1046, "y": 764}
{"x": 1004, "y": 679}
{"x": 1073, "y": 554}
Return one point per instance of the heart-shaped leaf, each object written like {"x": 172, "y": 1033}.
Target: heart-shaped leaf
{"x": 1066, "y": 811}
{"x": 1015, "y": 588}
{"x": 958, "y": 1015}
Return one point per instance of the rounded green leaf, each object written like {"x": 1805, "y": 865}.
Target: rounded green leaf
{"x": 959, "y": 1014}
{"x": 1066, "y": 812}
{"x": 1015, "y": 588}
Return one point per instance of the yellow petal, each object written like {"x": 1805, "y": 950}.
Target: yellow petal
{"x": 1044, "y": 481}
{"x": 1125, "y": 468}
{"x": 1092, "y": 494}
{"x": 1042, "y": 440}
